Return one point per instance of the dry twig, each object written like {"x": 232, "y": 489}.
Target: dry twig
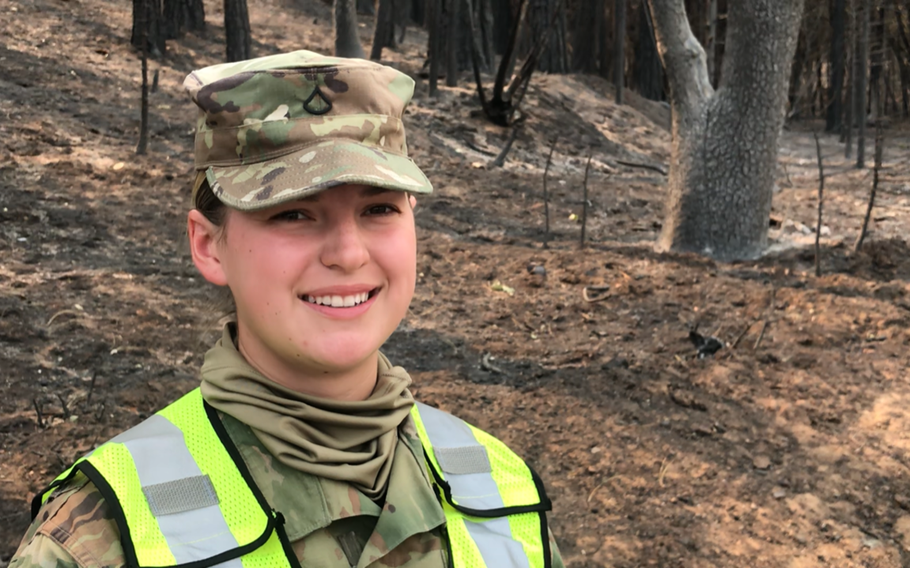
{"x": 546, "y": 196}
{"x": 879, "y": 147}
{"x": 584, "y": 210}
{"x": 761, "y": 335}
{"x": 821, "y": 197}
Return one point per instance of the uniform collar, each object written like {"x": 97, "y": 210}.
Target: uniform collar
{"x": 309, "y": 503}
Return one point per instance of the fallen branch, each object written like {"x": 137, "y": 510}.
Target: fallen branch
{"x": 657, "y": 169}
{"x": 821, "y": 197}
{"x": 501, "y": 158}
{"x": 761, "y": 335}
{"x": 487, "y": 365}
{"x": 41, "y": 422}
{"x": 603, "y": 291}
{"x": 879, "y": 144}
{"x": 742, "y": 334}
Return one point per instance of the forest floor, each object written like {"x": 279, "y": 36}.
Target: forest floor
{"x": 790, "y": 447}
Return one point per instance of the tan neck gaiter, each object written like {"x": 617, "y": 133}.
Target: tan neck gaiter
{"x": 349, "y": 441}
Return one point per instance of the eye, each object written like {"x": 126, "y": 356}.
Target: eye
{"x": 381, "y": 210}
{"x": 291, "y": 215}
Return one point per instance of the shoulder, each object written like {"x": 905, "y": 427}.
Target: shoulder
{"x": 74, "y": 528}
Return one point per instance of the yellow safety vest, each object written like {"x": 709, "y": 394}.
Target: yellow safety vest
{"x": 182, "y": 496}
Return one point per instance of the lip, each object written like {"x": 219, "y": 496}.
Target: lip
{"x": 342, "y": 313}
{"x": 340, "y": 290}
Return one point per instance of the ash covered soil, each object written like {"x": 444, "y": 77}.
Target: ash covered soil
{"x": 788, "y": 448}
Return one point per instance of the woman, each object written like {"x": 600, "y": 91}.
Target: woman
{"x": 303, "y": 445}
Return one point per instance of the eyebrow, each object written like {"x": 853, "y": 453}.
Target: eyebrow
{"x": 368, "y": 191}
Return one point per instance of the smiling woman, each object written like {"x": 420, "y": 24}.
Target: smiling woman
{"x": 303, "y": 445}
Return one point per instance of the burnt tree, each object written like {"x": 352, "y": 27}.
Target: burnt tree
{"x": 589, "y": 45}
{"x": 181, "y": 16}
{"x": 836, "y": 69}
{"x": 861, "y": 81}
{"x": 237, "y": 30}
{"x": 147, "y": 33}
{"x": 347, "y": 42}
{"x": 648, "y": 71}
{"x": 554, "y": 57}
{"x": 384, "y": 29}
{"x": 619, "y": 48}
{"x": 724, "y": 141}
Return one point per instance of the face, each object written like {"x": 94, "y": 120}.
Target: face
{"x": 320, "y": 283}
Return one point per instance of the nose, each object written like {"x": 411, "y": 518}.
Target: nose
{"x": 345, "y": 247}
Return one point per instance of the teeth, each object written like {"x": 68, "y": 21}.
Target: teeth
{"x": 339, "y": 301}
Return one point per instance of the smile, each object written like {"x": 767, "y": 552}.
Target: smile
{"x": 335, "y": 301}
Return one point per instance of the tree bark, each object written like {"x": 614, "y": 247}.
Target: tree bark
{"x": 384, "y": 30}
{"x": 237, "y": 30}
{"x": 453, "y": 41}
{"x": 711, "y": 41}
{"x": 649, "y": 73}
{"x": 347, "y": 42}
{"x": 619, "y": 48}
{"x": 181, "y": 16}
{"x": 588, "y": 40}
{"x": 434, "y": 7}
{"x": 147, "y": 33}
{"x": 724, "y": 142}
{"x": 554, "y": 58}
{"x": 861, "y": 83}
{"x": 835, "y": 110}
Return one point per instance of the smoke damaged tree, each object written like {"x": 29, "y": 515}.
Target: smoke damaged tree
{"x": 384, "y": 29}
{"x": 725, "y": 141}
{"x": 619, "y": 48}
{"x": 835, "y": 109}
{"x": 237, "y": 30}
{"x": 648, "y": 71}
{"x": 861, "y": 81}
{"x": 181, "y": 16}
{"x": 147, "y": 33}
{"x": 347, "y": 42}
{"x": 589, "y": 45}
{"x": 554, "y": 57}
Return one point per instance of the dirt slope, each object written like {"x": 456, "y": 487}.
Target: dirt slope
{"x": 788, "y": 449}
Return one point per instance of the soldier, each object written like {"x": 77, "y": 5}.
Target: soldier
{"x": 303, "y": 445}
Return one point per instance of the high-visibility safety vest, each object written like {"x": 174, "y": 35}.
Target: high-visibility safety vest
{"x": 182, "y": 496}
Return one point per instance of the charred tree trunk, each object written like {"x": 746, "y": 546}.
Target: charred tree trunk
{"x": 181, "y": 16}
{"x": 861, "y": 83}
{"x": 649, "y": 73}
{"x": 237, "y": 30}
{"x": 434, "y": 7}
{"x": 835, "y": 109}
{"x": 347, "y": 42}
{"x": 366, "y": 7}
{"x": 384, "y": 30}
{"x": 486, "y": 30}
{"x": 589, "y": 38}
{"x": 876, "y": 93}
{"x": 554, "y": 58}
{"x": 724, "y": 142}
{"x": 619, "y": 48}
{"x": 503, "y": 20}
{"x": 147, "y": 33}
{"x": 453, "y": 41}
{"x": 711, "y": 41}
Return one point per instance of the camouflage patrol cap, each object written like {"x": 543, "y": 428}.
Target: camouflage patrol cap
{"x": 282, "y": 127}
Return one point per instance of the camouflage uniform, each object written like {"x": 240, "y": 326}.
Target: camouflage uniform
{"x": 273, "y": 130}
{"x": 330, "y": 524}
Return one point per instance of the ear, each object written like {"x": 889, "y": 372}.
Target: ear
{"x": 205, "y": 247}
{"x": 412, "y": 200}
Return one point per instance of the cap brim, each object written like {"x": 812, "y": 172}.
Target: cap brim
{"x": 313, "y": 169}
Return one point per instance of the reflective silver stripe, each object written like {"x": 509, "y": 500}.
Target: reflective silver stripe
{"x": 496, "y": 545}
{"x": 472, "y": 490}
{"x": 467, "y": 459}
{"x": 181, "y": 495}
{"x": 161, "y": 456}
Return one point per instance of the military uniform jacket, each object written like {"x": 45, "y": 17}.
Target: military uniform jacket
{"x": 330, "y": 524}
